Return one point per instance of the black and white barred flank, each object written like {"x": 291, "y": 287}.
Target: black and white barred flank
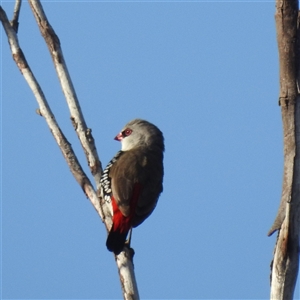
{"x": 105, "y": 180}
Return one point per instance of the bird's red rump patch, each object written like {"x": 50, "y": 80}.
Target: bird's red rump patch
{"x": 121, "y": 223}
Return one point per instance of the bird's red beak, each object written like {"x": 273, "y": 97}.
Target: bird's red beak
{"x": 119, "y": 137}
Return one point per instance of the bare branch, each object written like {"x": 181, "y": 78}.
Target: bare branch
{"x": 77, "y": 118}
{"x": 46, "y": 112}
{"x": 124, "y": 259}
{"x": 286, "y": 254}
{"x": 127, "y": 276}
{"x": 15, "y": 20}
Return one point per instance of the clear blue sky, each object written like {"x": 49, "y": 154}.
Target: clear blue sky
{"x": 206, "y": 73}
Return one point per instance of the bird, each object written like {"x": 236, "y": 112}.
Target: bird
{"x": 133, "y": 180}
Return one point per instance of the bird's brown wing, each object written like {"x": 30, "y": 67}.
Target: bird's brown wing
{"x": 152, "y": 187}
{"x": 137, "y": 167}
{"x": 124, "y": 175}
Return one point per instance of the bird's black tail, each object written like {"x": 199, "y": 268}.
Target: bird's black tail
{"x": 115, "y": 241}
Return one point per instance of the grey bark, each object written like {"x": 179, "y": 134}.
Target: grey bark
{"x": 124, "y": 259}
{"x": 284, "y": 267}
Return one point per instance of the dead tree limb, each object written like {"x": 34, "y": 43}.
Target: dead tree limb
{"x": 78, "y": 121}
{"x": 285, "y": 264}
{"x": 15, "y": 20}
{"x": 124, "y": 259}
{"x": 45, "y": 111}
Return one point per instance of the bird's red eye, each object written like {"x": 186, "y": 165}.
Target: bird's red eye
{"x": 127, "y": 132}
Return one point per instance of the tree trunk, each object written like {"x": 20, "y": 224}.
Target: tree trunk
{"x": 284, "y": 266}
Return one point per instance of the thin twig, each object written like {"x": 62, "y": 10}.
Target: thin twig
{"x": 15, "y": 20}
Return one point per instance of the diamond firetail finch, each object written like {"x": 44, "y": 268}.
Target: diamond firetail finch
{"x": 132, "y": 180}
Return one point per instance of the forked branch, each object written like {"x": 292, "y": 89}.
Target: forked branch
{"x": 45, "y": 111}
{"x": 124, "y": 260}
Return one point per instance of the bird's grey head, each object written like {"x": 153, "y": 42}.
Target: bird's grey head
{"x": 140, "y": 133}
